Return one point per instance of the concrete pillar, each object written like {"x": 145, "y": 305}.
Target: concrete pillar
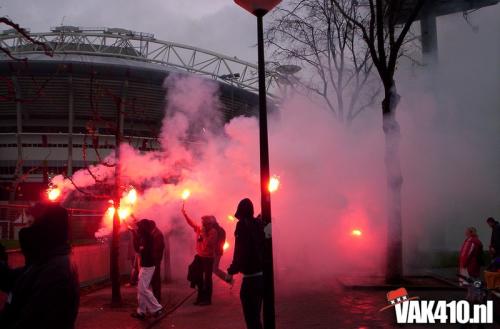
{"x": 428, "y": 30}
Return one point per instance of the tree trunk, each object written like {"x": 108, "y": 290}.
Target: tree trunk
{"x": 394, "y": 265}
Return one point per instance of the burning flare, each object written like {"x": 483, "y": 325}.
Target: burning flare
{"x": 110, "y": 212}
{"x": 274, "y": 184}
{"x": 123, "y": 213}
{"x": 53, "y": 193}
{"x": 231, "y": 218}
{"x": 226, "y": 246}
{"x": 127, "y": 202}
{"x": 185, "y": 194}
{"x": 131, "y": 197}
{"x": 356, "y": 232}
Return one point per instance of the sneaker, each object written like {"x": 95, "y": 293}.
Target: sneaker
{"x": 159, "y": 313}
{"x": 137, "y": 315}
{"x": 204, "y": 303}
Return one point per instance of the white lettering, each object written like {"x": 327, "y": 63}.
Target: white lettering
{"x": 402, "y": 312}
{"x": 426, "y": 315}
{"x": 463, "y": 311}
{"x": 414, "y": 312}
{"x": 440, "y": 312}
{"x": 423, "y": 312}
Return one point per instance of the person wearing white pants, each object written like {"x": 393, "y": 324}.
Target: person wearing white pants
{"x": 143, "y": 244}
{"x": 145, "y": 297}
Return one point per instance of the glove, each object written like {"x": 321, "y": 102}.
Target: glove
{"x": 229, "y": 279}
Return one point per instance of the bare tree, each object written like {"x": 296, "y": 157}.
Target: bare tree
{"x": 328, "y": 47}
{"x": 13, "y": 95}
{"x": 384, "y": 25}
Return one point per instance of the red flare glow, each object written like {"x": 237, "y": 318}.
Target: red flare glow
{"x": 356, "y": 233}
{"x": 131, "y": 196}
{"x": 123, "y": 213}
{"x": 185, "y": 194}
{"x": 274, "y": 184}
{"x": 53, "y": 194}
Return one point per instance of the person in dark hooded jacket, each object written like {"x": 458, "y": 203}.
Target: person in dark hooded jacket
{"x": 248, "y": 260}
{"x": 144, "y": 245}
{"x": 46, "y": 293}
{"x": 158, "y": 250}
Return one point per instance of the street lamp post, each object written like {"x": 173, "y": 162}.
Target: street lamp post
{"x": 259, "y": 8}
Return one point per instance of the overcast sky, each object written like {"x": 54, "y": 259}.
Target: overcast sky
{"x": 217, "y": 25}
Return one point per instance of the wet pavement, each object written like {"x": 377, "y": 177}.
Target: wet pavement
{"x": 320, "y": 304}
{"x": 301, "y": 305}
{"x": 97, "y": 312}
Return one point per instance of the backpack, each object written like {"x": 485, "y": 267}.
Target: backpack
{"x": 221, "y": 239}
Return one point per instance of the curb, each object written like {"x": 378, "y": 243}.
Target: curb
{"x": 447, "y": 285}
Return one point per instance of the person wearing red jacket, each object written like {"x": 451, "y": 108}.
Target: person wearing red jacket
{"x": 470, "y": 254}
{"x": 206, "y": 244}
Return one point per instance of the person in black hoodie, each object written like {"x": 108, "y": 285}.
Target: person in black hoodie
{"x": 144, "y": 245}
{"x": 45, "y": 294}
{"x": 158, "y": 250}
{"x": 248, "y": 260}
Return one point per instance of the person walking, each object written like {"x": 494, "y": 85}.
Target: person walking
{"x": 248, "y": 260}
{"x": 158, "y": 250}
{"x": 145, "y": 297}
{"x": 470, "y": 255}
{"x": 206, "y": 242}
{"x": 133, "y": 257}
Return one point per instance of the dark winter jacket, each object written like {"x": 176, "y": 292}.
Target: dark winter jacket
{"x": 144, "y": 243}
{"x": 249, "y": 242}
{"x": 495, "y": 239}
{"x": 46, "y": 294}
{"x": 158, "y": 245}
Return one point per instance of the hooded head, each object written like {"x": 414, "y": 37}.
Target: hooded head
{"x": 208, "y": 220}
{"x": 48, "y": 233}
{"x": 52, "y": 226}
{"x": 144, "y": 226}
{"x": 245, "y": 209}
{"x": 491, "y": 222}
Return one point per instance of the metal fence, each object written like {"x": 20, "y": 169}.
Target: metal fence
{"x": 83, "y": 222}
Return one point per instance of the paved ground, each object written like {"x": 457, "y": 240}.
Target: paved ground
{"x": 320, "y": 305}
{"x": 96, "y": 311}
{"x": 299, "y": 305}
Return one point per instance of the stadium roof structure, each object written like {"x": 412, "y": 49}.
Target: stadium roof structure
{"x": 443, "y": 7}
{"x": 140, "y": 47}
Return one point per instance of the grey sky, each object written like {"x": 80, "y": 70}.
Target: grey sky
{"x": 217, "y": 25}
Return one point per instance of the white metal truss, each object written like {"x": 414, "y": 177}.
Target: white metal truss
{"x": 114, "y": 42}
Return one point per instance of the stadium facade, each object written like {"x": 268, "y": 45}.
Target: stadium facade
{"x": 59, "y": 113}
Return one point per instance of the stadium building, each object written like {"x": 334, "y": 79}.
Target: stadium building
{"x": 60, "y": 106}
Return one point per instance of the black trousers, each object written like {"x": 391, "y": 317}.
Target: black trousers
{"x": 251, "y": 295}
{"x": 205, "y": 285}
